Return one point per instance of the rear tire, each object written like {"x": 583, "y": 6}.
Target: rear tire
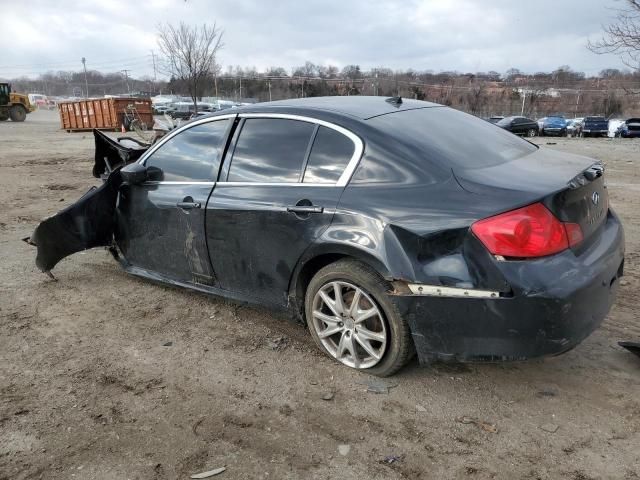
{"x": 381, "y": 357}
{"x": 18, "y": 113}
{"x": 531, "y": 132}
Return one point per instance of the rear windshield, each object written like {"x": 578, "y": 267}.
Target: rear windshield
{"x": 594, "y": 119}
{"x": 453, "y": 138}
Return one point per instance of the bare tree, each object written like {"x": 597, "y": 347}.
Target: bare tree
{"x": 190, "y": 54}
{"x": 622, "y": 37}
{"x": 476, "y": 98}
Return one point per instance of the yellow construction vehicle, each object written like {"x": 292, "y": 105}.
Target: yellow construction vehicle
{"x": 13, "y": 105}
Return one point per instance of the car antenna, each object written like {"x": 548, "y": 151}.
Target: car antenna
{"x": 395, "y": 100}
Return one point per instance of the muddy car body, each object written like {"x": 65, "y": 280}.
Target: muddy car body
{"x": 384, "y": 228}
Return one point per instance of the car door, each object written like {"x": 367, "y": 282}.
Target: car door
{"x": 279, "y": 186}
{"x": 160, "y": 223}
{"x": 517, "y": 126}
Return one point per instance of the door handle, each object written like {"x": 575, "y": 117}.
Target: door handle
{"x": 305, "y": 209}
{"x": 188, "y": 205}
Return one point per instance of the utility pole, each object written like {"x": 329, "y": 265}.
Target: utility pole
{"x": 269, "y": 84}
{"x": 376, "y": 84}
{"x": 126, "y": 78}
{"x": 240, "y": 93}
{"x": 86, "y": 84}
{"x": 524, "y": 97}
{"x": 153, "y": 59}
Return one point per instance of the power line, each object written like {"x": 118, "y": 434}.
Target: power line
{"x": 94, "y": 68}
{"x": 75, "y": 62}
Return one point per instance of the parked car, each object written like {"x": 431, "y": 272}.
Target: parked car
{"x": 595, "y": 127}
{"x": 554, "y": 126}
{"x": 574, "y": 127}
{"x": 161, "y": 109}
{"x": 629, "y": 129}
{"x": 390, "y": 227}
{"x": 519, "y": 126}
{"x": 182, "y": 110}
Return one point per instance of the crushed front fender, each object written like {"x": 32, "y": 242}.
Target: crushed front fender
{"x": 88, "y": 223}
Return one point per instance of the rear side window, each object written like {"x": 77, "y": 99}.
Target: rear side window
{"x": 452, "y": 138}
{"x": 329, "y": 156}
{"x": 193, "y": 155}
{"x": 270, "y": 150}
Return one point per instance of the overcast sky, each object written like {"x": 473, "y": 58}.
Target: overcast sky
{"x": 463, "y": 35}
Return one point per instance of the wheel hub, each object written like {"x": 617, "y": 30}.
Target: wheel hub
{"x": 349, "y": 324}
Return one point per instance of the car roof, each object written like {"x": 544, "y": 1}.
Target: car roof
{"x": 361, "y": 107}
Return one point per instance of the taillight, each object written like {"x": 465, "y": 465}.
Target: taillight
{"x": 531, "y": 231}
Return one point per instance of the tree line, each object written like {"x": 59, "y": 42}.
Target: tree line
{"x": 611, "y": 92}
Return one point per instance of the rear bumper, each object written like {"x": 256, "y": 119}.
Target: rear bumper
{"x": 630, "y": 134}
{"x": 556, "y": 303}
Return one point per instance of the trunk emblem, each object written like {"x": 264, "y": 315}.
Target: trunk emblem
{"x": 595, "y": 198}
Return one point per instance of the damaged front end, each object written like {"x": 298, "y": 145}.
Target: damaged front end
{"x": 113, "y": 154}
{"x": 90, "y": 221}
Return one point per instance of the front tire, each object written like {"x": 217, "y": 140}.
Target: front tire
{"x": 18, "y": 113}
{"x": 531, "y": 132}
{"x": 351, "y": 318}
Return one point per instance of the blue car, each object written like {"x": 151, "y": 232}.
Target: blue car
{"x": 554, "y": 126}
{"x": 629, "y": 129}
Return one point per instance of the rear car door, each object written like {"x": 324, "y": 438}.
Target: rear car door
{"x": 279, "y": 186}
{"x": 160, "y": 223}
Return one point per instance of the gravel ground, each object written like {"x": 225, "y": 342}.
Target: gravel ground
{"x": 103, "y": 375}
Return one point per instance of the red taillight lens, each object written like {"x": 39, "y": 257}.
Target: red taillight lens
{"x": 531, "y": 231}
{"x": 574, "y": 233}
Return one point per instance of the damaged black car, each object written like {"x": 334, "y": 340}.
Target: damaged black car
{"x": 390, "y": 226}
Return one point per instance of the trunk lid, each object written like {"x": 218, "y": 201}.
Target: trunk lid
{"x": 571, "y": 186}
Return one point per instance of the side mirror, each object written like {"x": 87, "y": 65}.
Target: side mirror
{"x": 134, "y": 173}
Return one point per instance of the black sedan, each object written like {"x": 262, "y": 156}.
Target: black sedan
{"x": 519, "y": 126}
{"x": 388, "y": 226}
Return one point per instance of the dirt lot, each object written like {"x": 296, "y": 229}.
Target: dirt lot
{"x": 90, "y": 386}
